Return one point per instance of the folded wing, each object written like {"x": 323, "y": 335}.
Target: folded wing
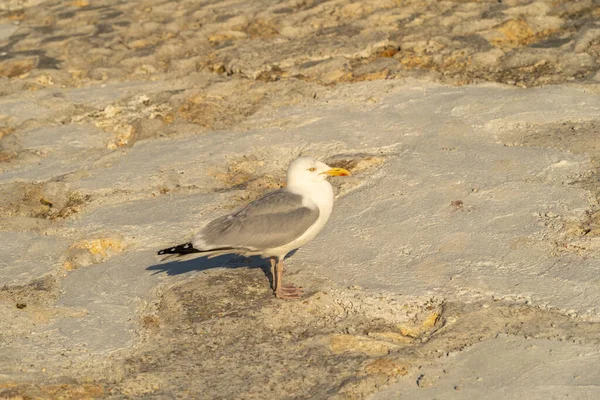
{"x": 271, "y": 221}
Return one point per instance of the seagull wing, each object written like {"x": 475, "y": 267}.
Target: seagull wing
{"x": 274, "y": 220}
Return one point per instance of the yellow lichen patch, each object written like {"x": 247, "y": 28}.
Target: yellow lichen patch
{"x": 431, "y": 320}
{"x": 80, "y": 3}
{"x": 387, "y": 367}
{"x": 77, "y": 74}
{"x": 56, "y": 391}
{"x": 169, "y": 117}
{"x": 125, "y": 137}
{"x": 45, "y": 80}
{"x": 417, "y": 330}
{"x": 412, "y": 332}
{"x": 414, "y": 61}
{"x": 92, "y": 251}
{"x": 6, "y": 157}
{"x": 360, "y": 344}
{"x": 8, "y": 385}
{"x": 515, "y": 33}
{"x": 6, "y": 130}
{"x": 102, "y": 247}
{"x": 387, "y": 52}
{"x": 68, "y": 266}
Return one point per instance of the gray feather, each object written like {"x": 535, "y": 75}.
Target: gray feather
{"x": 271, "y": 221}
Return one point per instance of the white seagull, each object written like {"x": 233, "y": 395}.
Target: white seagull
{"x": 273, "y": 225}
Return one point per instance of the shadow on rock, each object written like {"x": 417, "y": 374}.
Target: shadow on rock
{"x": 204, "y": 263}
{"x": 224, "y": 261}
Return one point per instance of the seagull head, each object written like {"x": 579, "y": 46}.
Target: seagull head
{"x": 306, "y": 170}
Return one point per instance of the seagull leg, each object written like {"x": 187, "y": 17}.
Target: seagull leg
{"x": 273, "y": 279}
{"x": 286, "y": 292}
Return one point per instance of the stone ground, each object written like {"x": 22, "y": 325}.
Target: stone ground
{"x": 462, "y": 257}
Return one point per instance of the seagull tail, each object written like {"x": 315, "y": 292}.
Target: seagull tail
{"x": 186, "y": 251}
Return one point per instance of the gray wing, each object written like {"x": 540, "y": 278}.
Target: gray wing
{"x": 271, "y": 221}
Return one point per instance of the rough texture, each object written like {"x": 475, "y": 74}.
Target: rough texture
{"x": 468, "y": 233}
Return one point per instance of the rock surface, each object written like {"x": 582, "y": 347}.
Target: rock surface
{"x": 469, "y": 232}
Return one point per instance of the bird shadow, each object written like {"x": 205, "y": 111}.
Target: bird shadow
{"x": 223, "y": 261}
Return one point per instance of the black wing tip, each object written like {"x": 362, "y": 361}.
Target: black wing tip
{"x": 185, "y": 248}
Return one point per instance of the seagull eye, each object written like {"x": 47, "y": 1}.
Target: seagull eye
{"x": 313, "y": 169}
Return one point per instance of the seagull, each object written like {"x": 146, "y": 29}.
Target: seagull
{"x": 273, "y": 225}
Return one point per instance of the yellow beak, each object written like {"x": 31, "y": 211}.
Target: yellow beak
{"x": 337, "y": 172}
